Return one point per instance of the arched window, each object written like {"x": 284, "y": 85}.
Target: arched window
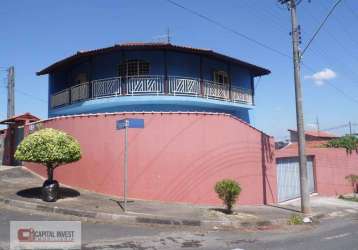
{"x": 221, "y": 77}
{"x": 134, "y": 68}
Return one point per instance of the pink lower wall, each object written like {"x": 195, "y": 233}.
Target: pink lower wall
{"x": 331, "y": 166}
{"x": 176, "y": 157}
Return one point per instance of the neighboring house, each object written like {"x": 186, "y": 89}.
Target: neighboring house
{"x": 195, "y": 104}
{"x": 12, "y": 136}
{"x": 312, "y": 136}
{"x": 327, "y": 167}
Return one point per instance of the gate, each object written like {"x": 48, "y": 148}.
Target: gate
{"x": 2, "y": 147}
{"x": 288, "y": 178}
{"x": 19, "y": 136}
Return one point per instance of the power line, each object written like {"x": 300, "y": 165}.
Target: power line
{"x": 27, "y": 94}
{"x": 321, "y": 25}
{"x": 336, "y": 127}
{"x": 344, "y": 27}
{"x": 331, "y": 84}
{"x": 317, "y": 50}
{"x": 340, "y": 44}
{"x": 351, "y": 10}
{"x": 219, "y": 24}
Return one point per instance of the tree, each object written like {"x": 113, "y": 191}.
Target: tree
{"x": 228, "y": 191}
{"x": 50, "y": 148}
{"x": 349, "y": 142}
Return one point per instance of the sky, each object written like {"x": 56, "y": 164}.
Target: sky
{"x": 35, "y": 34}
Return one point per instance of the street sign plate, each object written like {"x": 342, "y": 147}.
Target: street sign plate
{"x": 132, "y": 123}
{"x": 121, "y": 124}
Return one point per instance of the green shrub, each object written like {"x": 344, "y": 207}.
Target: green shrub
{"x": 348, "y": 142}
{"x": 295, "y": 219}
{"x": 228, "y": 191}
{"x": 50, "y": 148}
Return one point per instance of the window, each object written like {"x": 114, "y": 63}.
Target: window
{"x": 81, "y": 78}
{"x": 221, "y": 77}
{"x": 134, "y": 68}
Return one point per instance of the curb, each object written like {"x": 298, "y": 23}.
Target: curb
{"x": 138, "y": 219}
{"x": 125, "y": 218}
{"x": 151, "y": 219}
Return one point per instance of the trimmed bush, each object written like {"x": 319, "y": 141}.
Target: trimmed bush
{"x": 228, "y": 191}
{"x": 50, "y": 148}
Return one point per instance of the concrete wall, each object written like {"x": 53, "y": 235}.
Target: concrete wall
{"x": 331, "y": 166}
{"x": 177, "y": 157}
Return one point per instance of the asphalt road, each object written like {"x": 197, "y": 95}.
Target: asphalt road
{"x": 333, "y": 234}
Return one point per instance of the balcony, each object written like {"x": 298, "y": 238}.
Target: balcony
{"x": 151, "y": 85}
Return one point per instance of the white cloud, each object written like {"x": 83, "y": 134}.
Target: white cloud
{"x": 320, "y": 77}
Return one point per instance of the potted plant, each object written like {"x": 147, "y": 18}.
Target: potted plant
{"x": 51, "y": 148}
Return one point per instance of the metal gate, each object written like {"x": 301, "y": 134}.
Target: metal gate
{"x": 288, "y": 178}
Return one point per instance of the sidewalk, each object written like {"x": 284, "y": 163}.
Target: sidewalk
{"x": 21, "y": 188}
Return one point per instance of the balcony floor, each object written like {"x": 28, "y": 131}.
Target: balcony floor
{"x": 153, "y": 103}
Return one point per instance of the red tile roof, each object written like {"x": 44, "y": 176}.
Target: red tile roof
{"x": 256, "y": 70}
{"x": 19, "y": 118}
{"x": 315, "y": 133}
{"x": 308, "y": 144}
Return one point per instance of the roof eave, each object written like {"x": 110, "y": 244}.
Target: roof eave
{"x": 256, "y": 70}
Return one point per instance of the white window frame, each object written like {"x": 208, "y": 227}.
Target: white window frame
{"x": 139, "y": 66}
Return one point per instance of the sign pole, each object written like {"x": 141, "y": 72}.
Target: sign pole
{"x": 125, "y": 177}
{"x": 126, "y": 124}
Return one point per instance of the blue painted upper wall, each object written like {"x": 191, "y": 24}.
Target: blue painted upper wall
{"x": 175, "y": 63}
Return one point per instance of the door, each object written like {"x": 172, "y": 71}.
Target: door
{"x": 288, "y": 178}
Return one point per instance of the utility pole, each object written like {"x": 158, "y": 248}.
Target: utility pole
{"x": 305, "y": 196}
{"x": 125, "y": 170}
{"x": 168, "y": 35}
{"x": 350, "y": 128}
{"x": 10, "y": 92}
{"x": 317, "y": 125}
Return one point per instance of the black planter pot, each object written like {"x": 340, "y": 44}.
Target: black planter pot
{"x": 50, "y": 190}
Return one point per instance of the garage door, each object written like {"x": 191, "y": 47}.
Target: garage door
{"x": 288, "y": 177}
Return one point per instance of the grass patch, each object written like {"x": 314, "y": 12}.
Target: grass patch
{"x": 295, "y": 219}
{"x": 350, "y": 198}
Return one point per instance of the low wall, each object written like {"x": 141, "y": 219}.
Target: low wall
{"x": 177, "y": 157}
{"x": 331, "y": 166}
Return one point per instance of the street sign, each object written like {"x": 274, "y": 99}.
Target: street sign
{"x": 131, "y": 123}
{"x": 125, "y": 124}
